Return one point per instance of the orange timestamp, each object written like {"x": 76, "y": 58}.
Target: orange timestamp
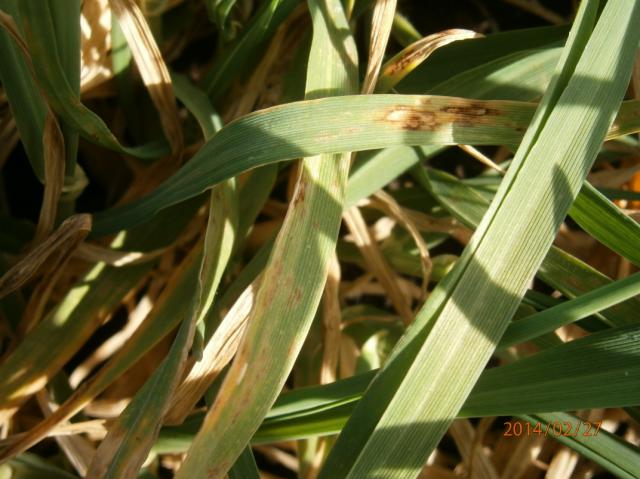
{"x": 552, "y": 429}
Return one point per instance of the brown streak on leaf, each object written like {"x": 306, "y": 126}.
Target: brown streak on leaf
{"x": 429, "y": 115}
{"x": 216, "y": 355}
{"x": 297, "y": 295}
{"x": 421, "y": 49}
{"x": 376, "y": 262}
{"x": 471, "y": 110}
{"x": 331, "y": 321}
{"x": 383, "y": 12}
{"x": 299, "y": 193}
{"x": 53, "y": 147}
{"x": 408, "y": 59}
{"x": 48, "y": 255}
{"x": 152, "y": 67}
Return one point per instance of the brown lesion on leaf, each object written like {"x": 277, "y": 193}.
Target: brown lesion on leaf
{"x": 427, "y": 115}
{"x": 465, "y": 110}
{"x": 297, "y": 295}
{"x": 300, "y": 192}
{"x": 402, "y": 63}
{"x": 470, "y": 110}
{"x": 411, "y": 118}
{"x": 219, "y": 469}
{"x": 423, "y": 48}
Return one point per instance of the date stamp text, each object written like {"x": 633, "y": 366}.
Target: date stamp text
{"x": 552, "y": 429}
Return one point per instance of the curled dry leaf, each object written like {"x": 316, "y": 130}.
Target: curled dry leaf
{"x": 332, "y": 322}
{"x": 130, "y": 437}
{"x": 8, "y": 23}
{"x": 563, "y": 464}
{"x": 465, "y": 436}
{"x": 95, "y": 41}
{"x": 94, "y": 253}
{"x": 152, "y": 68}
{"x": 377, "y": 263}
{"x": 381, "y": 24}
{"x": 112, "y": 345}
{"x": 404, "y": 62}
{"x": 432, "y": 224}
{"x": 521, "y": 457}
{"x": 613, "y": 178}
{"x": 219, "y": 350}
{"x": 48, "y": 255}
{"x": 389, "y": 205}
{"x": 53, "y": 147}
{"x": 94, "y": 427}
{"x": 481, "y": 157}
{"x": 52, "y": 142}
{"x": 76, "y": 448}
{"x": 84, "y": 395}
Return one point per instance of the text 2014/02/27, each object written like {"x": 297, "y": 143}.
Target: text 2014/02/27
{"x": 553, "y": 429}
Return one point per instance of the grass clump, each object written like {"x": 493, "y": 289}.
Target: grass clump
{"x": 332, "y": 239}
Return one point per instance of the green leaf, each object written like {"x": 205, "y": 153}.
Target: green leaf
{"x": 44, "y": 351}
{"x": 66, "y": 24}
{"x": 458, "y": 57}
{"x": 559, "y": 269}
{"x": 604, "y": 220}
{"x": 197, "y": 103}
{"x": 247, "y": 48}
{"x": 219, "y": 11}
{"x": 132, "y": 435}
{"x": 245, "y": 466}
{"x": 570, "y": 311}
{"x": 591, "y": 372}
{"x": 609, "y": 451}
{"x": 331, "y": 125}
{"x": 411, "y": 404}
{"x": 223, "y": 224}
{"x": 39, "y": 32}
{"x": 27, "y": 105}
{"x": 61, "y": 334}
{"x": 498, "y": 79}
{"x": 596, "y": 371}
{"x": 294, "y": 278}
{"x": 574, "y": 370}
{"x": 30, "y": 466}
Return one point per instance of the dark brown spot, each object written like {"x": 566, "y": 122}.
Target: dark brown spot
{"x": 414, "y": 121}
{"x": 470, "y": 110}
